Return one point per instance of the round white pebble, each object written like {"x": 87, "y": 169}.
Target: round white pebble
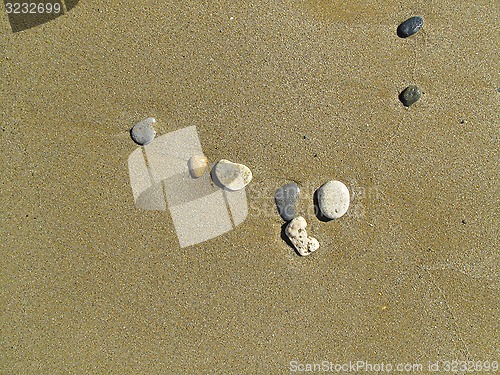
{"x": 232, "y": 176}
{"x": 143, "y": 132}
{"x": 333, "y": 199}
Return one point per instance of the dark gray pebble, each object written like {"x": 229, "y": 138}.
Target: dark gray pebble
{"x": 143, "y": 132}
{"x": 286, "y": 198}
{"x": 410, "y": 95}
{"x": 410, "y": 26}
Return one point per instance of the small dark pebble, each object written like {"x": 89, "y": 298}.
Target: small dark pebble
{"x": 410, "y": 26}
{"x": 410, "y": 95}
{"x": 286, "y": 198}
{"x": 464, "y": 221}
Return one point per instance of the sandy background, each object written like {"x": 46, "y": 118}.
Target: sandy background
{"x": 299, "y": 90}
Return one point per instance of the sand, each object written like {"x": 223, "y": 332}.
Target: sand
{"x": 297, "y": 91}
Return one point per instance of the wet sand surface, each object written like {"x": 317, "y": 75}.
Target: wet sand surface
{"x": 297, "y": 91}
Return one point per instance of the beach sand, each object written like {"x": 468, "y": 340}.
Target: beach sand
{"x": 303, "y": 91}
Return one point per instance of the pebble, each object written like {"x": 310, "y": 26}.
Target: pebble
{"x": 143, "y": 132}
{"x": 232, "y": 176}
{"x": 333, "y": 199}
{"x": 410, "y": 26}
{"x": 197, "y": 165}
{"x": 296, "y": 232}
{"x": 410, "y": 95}
{"x": 286, "y": 198}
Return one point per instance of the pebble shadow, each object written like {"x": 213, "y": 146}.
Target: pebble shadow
{"x": 285, "y": 238}
{"x": 215, "y": 180}
{"x": 317, "y": 211}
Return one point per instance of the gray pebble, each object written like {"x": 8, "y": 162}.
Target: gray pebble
{"x": 286, "y": 198}
{"x": 143, "y": 132}
{"x": 410, "y": 95}
{"x": 410, "y": 26}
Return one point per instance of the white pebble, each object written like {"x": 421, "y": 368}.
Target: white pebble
{"x": 333, "y": 199}
{"x": 197, "y": 165}
{"x": 232, "y": 176}
{"x": 296, "y": 232}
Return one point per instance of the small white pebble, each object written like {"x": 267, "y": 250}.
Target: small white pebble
{"x": 197, "y": 165}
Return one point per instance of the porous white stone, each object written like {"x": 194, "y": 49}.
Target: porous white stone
{"x": 232, "y": 176}
{"x": 296, "y": 232}
{"x": 333, "y": 199}
{"x": 197, "y": 165}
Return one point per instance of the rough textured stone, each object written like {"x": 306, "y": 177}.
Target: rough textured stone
{"x": 232, "y": 176}
{"x": 296, "y": 232}
{"x": 333, "y": 199}
{"x": 410, "y": 95}
{"x": 286, "y": 199}
{"x": 143, "y": 132}
{"x": 410, "y": 26}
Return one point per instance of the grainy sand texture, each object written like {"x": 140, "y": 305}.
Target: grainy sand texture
{"x": 303, "y": 91}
